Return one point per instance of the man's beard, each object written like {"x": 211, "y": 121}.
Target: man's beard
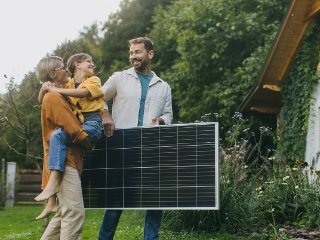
{"x": 142, "y": 66}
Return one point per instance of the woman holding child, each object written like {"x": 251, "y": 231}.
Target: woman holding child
{"x": 59, "y": 121}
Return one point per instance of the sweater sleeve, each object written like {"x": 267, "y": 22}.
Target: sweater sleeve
{"x": 57, "y": 112}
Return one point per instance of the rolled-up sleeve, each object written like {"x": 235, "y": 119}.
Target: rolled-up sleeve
{"x": 167, "y": 110}
{"x": 109, "y": 88}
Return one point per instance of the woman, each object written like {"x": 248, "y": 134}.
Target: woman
{"x": 56, "y": 112}
{"x": 86, "y": 96}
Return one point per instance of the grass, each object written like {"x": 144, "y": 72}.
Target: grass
{"x": 18, "y": 223}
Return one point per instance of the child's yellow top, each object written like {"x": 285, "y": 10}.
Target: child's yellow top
{"x": 87, "y": 104}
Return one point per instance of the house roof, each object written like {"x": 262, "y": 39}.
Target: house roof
{"x": 265, "y": 96}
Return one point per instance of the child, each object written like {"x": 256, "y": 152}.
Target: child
{"x": 86, "y": 97}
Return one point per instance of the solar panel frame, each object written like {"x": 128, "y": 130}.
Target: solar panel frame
{"x": 137, "y": 182}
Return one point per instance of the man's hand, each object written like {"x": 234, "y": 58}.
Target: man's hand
{"x": 157, "y": 121}
{"x": 107, "y": 123}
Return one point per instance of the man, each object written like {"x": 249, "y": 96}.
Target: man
{"x": 140, "y": 98}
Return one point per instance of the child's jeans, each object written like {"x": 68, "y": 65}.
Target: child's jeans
{"x": 60, "y": 139}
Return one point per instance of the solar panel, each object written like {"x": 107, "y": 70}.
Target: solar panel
{"x": 157, "y": 167}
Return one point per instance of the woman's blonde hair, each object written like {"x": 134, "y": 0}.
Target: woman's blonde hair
{"x": 46, "y": 66}
{"x": 79, "y": 57}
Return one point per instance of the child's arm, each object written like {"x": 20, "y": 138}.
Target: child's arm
{"x": 44, "y": 88}
{"x": 79, "y": 93}
{"x": 42, "y": 92}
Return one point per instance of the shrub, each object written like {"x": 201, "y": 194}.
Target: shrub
{"x": 290, "y": 194}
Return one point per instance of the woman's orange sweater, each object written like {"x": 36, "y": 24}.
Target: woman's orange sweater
{"x": 56, "y": 112}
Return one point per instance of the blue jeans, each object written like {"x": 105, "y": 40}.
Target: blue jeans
{"x": 152, "y": 221}
{"x": 60, "y": 139}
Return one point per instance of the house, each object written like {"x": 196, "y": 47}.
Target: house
{"x": 265, "y": 96}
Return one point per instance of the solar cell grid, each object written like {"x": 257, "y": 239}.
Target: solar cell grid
{"x": 159, "y": 167}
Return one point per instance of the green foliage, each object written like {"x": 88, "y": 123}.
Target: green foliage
{"x": 20, "y": 128}
{"x": 88, "y": 42}
{"x": 3, "y": 188}
{"x": 211, "y": 52}
{"x": 290, "y": 194}
{"x": 296, "y": 91}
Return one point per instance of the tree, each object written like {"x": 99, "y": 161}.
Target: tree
{"x": 20, "y": 128}
{"x": 211, "y": 52}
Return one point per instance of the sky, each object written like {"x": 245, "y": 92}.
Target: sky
{"x": 32, "y": 28}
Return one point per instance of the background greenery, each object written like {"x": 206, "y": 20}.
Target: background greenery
{"x": 296, "y": 91}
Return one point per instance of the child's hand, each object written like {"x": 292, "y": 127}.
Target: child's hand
{"x": 88, "y": 147}
{"x": 51, "y": 87}
{"x": 47, "y": 85}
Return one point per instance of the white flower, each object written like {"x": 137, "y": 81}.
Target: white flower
{"x": 297, "y": 186}
{"x": 269, "y": 182}
{"x": 271, "y": 210}
{"x": 285, "y": 178}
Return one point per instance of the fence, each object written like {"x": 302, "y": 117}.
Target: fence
{"x": 19, "y": 187}
{"x": 28, "y": 187}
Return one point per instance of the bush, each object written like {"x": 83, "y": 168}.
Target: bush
{"x": 291, "y": 194}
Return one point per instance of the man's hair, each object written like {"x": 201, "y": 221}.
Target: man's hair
{"x": 45, "y": 66}
{"x": 79, "y": 57}
{"x": 148, "y": 44}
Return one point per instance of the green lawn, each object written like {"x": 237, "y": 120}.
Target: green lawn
{"x": 19, "y": 223}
